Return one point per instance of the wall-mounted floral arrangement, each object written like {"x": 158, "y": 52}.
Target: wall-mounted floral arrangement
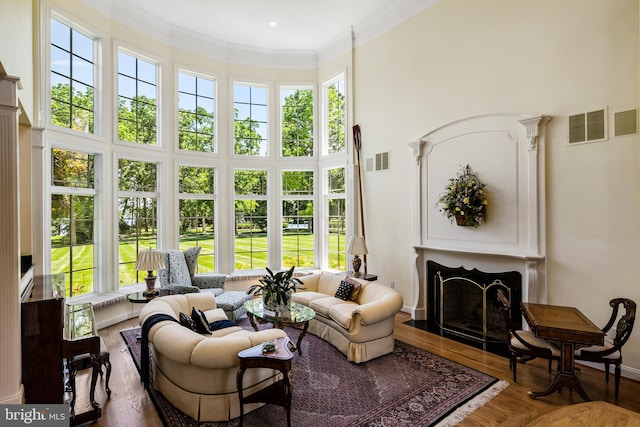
{"x": 465, "y": 199}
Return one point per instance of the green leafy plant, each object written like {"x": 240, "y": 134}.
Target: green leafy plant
{"x": 276, "y": 288}
{"x": 465, "y": 199}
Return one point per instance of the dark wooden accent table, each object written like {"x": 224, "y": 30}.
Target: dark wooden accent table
{"x": 569, "y": 327}
{"x": 278, "y": 393}
{"x": 142, "y": 298}
{"x": 82, "y": 342}
{"x": 363, "y": 276}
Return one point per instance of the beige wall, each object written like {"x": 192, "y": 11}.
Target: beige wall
{"x": 462, "y": 58}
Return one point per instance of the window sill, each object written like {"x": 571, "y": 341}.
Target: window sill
{"x": 100, "y": 300}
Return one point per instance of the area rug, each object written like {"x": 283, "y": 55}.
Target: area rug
{"x": 409, "y": 387}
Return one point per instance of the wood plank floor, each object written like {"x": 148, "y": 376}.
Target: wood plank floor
{"x": 130, "y": 404}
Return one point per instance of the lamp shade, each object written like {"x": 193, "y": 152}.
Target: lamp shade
{"x": 149, "y": 260}
{"x": 357, "y": 246}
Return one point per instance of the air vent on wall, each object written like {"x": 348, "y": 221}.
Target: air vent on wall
{"x": 625, "y": 122}
{"x": 382, "y": 161}
{"x": 588, "y": 127}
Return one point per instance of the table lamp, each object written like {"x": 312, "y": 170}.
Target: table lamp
{"x": 357, "y": 247}
{"x": 149, "y": 260}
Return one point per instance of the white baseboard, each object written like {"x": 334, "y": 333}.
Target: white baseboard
{"x": 625, "y": 371}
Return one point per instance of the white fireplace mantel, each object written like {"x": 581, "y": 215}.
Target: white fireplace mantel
{"x": 507, "y": 152}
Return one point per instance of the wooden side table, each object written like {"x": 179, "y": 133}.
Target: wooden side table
{"x": 278, "y": 393}
{"x": 363, "y": 276}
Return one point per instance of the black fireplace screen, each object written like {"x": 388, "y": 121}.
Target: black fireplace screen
{"x": 464, "y": 302}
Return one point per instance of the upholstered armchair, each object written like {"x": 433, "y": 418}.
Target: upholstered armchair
{"x": 179, "y": 274}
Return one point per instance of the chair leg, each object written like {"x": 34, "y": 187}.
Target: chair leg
{"x": 617, "y": 379}
{"x": 514, "y": 364}
{"x": 606, "y": 372}
{"x": 550, "y": 361}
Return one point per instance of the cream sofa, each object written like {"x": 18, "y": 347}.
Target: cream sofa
{"x": 197, "y": 373}
{"x": 361, "y": 330}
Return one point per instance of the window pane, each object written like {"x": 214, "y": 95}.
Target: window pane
{"x": 337, "y": 234}
{"x": 336, "y": 181}
{"x": 137, "y": 115}
{"x": 297, "y": 182}
{"x": 60, "y": 61}
{"x": 251, "y": 182}
{"x": 196, "y": 180}
{"x": 197, "y": 229}
{"x": 297, "y": 122}
{"x": 72, "y": 242}
{"x": 60, "y": 35}
{"x": 250, "y": 243}
{"x": 137, "y": 230}
{"x": 82, "y": 46}
{"x": 196, "y": 129}
{"x": 71, "y": 169}
{"x": 136, "y": 176}
{"x": 297, "y": 233}
{"x": 336, "y": 117}
{"x": 251, "y": 120}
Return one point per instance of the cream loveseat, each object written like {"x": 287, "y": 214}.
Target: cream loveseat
{"x": 360, "y": 329}
{"x": 196, "y": 372}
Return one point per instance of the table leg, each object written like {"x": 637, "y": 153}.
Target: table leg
{"x": 302, "y": 334}
{"x": 566, "y": 377}
{"x": 252, "y": 320}
{"x": 96, "y": 369}
{"x": 239, "y": 377}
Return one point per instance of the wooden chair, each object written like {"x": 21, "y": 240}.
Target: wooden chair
{"x": 611, "y": 351}
{"x": 524, "y": 345}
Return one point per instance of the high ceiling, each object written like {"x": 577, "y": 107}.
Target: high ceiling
{"x": 302, "y": 25}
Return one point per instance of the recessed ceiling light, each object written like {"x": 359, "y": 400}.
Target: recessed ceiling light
{"x": 273, "y": 24}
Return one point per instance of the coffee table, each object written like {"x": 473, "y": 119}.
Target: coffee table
{"x": 300, "y": 316}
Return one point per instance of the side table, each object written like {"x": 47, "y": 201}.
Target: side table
{"x": 364, "y": 276}
{"x": 278, "y": 393}
{"x": 142, "y": 298}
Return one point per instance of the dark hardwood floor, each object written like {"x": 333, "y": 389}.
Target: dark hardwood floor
{"x": 130, "y": 405}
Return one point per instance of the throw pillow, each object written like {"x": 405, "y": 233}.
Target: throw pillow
{"x": 344, "y": 290}
{"x": 221, "y": 324}
{"x": 187, "y": 322}
{"x": 178, "y": 270}
{"x": 200, "y": 320}
{"x": 357, "y": 287}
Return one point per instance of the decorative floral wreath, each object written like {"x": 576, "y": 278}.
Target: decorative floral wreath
{"x": 465, "y": 199}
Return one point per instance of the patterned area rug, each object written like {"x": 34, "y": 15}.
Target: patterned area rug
{"x": 410, "y": 387}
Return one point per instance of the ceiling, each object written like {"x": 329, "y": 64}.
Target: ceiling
{"x": 302, "y": 25}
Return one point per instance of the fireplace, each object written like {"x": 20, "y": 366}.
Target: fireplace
{"x": 463, "y": 303}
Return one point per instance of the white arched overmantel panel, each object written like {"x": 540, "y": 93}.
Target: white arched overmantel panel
{"x": 507, "y": 152}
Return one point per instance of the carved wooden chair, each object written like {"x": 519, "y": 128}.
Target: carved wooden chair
{"x": 611, "y": 351}
{"x": 524, "y": 345}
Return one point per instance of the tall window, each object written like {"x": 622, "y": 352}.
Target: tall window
{"x": 196, "y": 106}
{"x": 336, "y": 218}
{"x": 251, "y": 124}
{"x": 196, "y": 192}
{"x": 296, "y": 122}
{"x": 137, "y": 216}
{"x": 298, "y": 244}
{"x": 72, "y": 78}
{"x": 137, "y": 100}
{"x": 250, "y": 243}
{"x": 72, "y": 220}
{"x": 335, "y": 111}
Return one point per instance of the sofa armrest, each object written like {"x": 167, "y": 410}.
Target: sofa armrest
{"x": 373, "y": 312}
{"x": 207, "y": 281}
{"x": 181, "y": 289}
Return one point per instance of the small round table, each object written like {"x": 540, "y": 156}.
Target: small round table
{"x": 300, "y": 315}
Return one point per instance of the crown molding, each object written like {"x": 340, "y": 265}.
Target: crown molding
{"x": 183, "y": 38}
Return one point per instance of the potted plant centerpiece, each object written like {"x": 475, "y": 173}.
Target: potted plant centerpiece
{"x": 276, "y": 289}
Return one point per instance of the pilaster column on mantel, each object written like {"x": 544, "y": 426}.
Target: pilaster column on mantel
{"x": 10, "y": 354}
{"x": 419, "y": 309}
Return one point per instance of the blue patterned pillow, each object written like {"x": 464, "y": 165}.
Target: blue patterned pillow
{"x": 344, "y": 290}
{"x": 200, "y": 320}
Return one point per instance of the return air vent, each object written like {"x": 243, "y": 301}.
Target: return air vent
{"x": 382, "y": 161}
{"x": 625, "y": 122}
{"x": 588, "y": 127}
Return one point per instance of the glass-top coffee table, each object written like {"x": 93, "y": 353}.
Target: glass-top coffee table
{"x": 300, "y": 315}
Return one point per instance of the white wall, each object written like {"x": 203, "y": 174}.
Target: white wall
{"x": 462, "y": 58}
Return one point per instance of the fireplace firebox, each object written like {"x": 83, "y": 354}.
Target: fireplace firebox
{"x": 463, "y": 305}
